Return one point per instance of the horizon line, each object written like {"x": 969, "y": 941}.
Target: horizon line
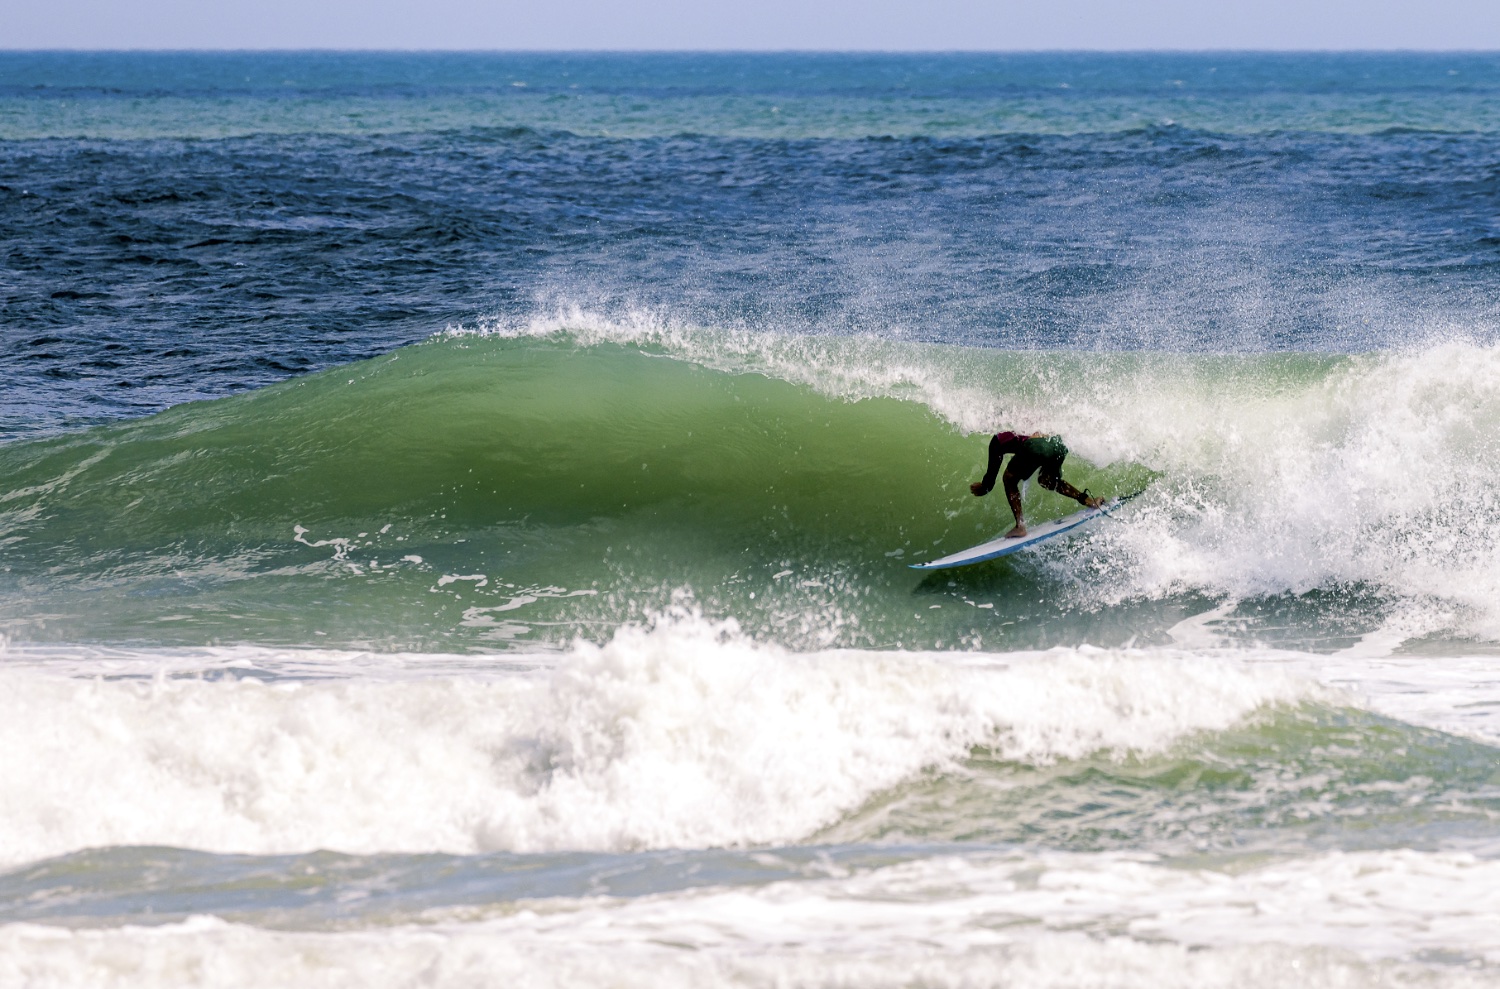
{"x": 326, "y": 50}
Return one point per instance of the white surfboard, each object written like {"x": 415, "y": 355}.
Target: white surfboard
{"x": 1001, "y": 546}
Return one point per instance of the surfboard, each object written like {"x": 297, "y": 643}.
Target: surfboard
{"x": 1000, "y": 546}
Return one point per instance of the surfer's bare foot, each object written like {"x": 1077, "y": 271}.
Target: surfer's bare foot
{"x": 1093, "y": 502}
{"x": 1017, "y": 532}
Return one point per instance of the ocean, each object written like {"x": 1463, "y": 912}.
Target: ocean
{"x": 455, "y": 516}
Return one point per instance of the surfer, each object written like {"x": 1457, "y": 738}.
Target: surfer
{"x": 1029, "y": 454}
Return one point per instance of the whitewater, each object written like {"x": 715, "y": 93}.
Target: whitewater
{"x": 455, "y": 517}
{"x": 684, "y": 804}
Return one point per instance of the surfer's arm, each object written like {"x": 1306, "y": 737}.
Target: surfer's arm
{"x": 997, "y": 454}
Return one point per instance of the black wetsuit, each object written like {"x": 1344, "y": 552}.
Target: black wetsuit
{"x": 1028, "y": 455}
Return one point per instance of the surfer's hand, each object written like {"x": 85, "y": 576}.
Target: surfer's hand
{"x": 978, "y": 488}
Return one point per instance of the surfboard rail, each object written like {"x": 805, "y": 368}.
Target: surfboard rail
{"x": 999, "y": 546}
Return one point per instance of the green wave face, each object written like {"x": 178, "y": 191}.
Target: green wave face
{"x": 495, "y": 491}
{"x": 482, "y": 492}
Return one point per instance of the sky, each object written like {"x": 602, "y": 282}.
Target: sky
{"x": 891, "y": 25}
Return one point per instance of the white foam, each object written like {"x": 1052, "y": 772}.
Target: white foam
{"x": 1042, "y": 920}
{"x": 683, "y": 735}
{"x": 1378, "y": 472}
{"x": 1385, "y": 904}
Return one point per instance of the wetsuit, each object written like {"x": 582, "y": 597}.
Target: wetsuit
{"x": 1028, "y": 455}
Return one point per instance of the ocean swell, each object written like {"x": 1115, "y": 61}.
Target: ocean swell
{"x": 571, "y": 474}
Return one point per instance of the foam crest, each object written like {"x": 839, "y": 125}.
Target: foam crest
{"x": 681, "y": 735}
{"x": 946, "y": 378}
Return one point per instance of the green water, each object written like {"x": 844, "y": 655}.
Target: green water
{"x": 484, "y": 492}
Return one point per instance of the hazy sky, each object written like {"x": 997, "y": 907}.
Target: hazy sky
{"x": 751, "y": 24}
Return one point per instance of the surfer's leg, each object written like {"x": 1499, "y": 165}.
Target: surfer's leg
{"x": 1013, "y": 495}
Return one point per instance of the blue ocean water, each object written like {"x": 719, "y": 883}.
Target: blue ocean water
{"x": 455, "y": 508}
{"x": 181, "y": 226}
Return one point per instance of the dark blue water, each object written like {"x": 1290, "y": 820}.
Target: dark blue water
{"x": 1320, "y": 203}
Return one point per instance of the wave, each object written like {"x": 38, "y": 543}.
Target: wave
{"x": 883, "y": 955}
{"x": 1364, "y": 919}
{"x": 538, "y": 481}
{"x": 686, "y": 735}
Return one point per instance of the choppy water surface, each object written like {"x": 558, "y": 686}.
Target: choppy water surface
{"x": 454, "y": 517}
